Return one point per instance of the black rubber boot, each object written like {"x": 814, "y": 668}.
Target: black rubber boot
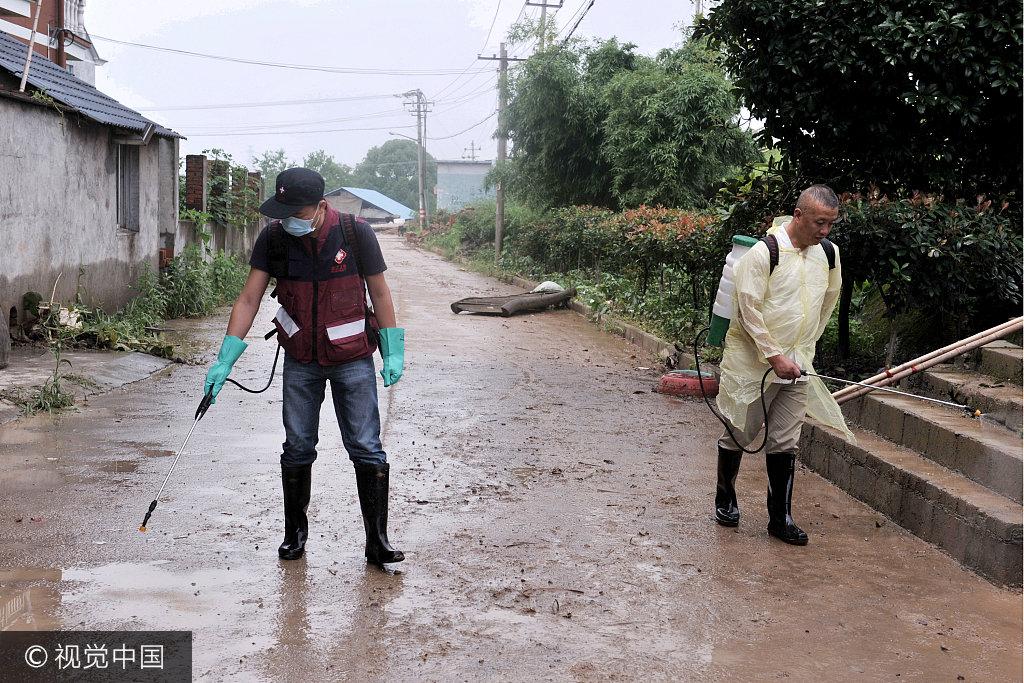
{"x": 372, "y": 484}
{"x": 781, "y": 468}
{"x": 727, "y": 511}
{"x": 295, "y": 481}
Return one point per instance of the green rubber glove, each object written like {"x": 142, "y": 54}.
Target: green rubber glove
{"x": 392, "y": 350}
{"x": 230, "y": 349}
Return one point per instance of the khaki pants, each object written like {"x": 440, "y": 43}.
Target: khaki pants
{"x": 787, "y": 404}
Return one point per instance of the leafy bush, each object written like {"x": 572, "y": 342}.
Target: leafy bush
{"x": 188, "y": 285}
{"x": 917, "y": 271}
{"x": 960, "y": 263}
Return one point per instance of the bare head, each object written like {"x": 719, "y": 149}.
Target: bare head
{"x": 817, "y": 209}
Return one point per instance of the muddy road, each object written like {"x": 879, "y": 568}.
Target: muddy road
{"x": 555, "y": 513}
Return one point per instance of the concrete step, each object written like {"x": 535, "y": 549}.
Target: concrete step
{"x": 1003, "y": 360}
{"x": 997, "y": 399}
{"x": 985, "y": 453}
{"x": 976, "y": 526}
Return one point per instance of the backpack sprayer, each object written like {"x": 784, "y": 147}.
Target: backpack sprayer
{"x": 204, "y": 405}
{"x": 721, "y": 315}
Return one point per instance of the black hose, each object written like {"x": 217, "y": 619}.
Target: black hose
{"x": 270, "y": 381}
{"x": 725, "y": 423}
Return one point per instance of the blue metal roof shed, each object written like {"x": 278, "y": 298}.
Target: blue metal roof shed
{"x": 377, "y": 200}
{"x": 73, "y": 93}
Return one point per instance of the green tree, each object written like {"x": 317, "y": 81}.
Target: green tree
{"x": 391, "y": 169}
{"x": 905, "y": 94}
{"x": 555, "y": 121}
{"x": 672, "y": 132}
{"x": 335, "y": 175}
{"x": 269, "y": 164}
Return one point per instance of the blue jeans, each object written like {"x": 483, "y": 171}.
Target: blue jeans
{"x": 354, "y": 391}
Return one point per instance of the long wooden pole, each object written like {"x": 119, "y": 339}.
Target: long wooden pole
{"x": 916, "y": 366}
{"x": 1004, "y": 329}
{"x": 31, "y": 46}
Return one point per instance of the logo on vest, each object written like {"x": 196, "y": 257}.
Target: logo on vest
{"x": 339, "y": 259}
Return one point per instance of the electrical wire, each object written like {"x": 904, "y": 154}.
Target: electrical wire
{"x": 284, "y": 65}
{"x": 295, "y": 132}
{"x": 491, "y": 29}
{"x": 570, "y": 19}
{"x": 470, "y": 66}
{"x": 455, "y": 135}
{"x": 385, "y": 114}
{"x": 489, "y": 87}
{"x": 277, "y": 103}
{"x": 577, "y": 25}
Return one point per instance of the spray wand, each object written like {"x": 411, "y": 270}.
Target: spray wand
{"x": 973, "y": 412}
{"x": 204, "y": 405}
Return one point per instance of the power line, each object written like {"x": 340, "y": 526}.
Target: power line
{"x": 293, "y": 132}
{"x": 271, "y": 125}
{"x": 478, "y": 123}
{"x": 276, "y": 103}
{"x": 283, "y": 65}
{"x": 471, "y": 96}
{"x": 488, "y": 38}
{"x": 577, "y": 25}
{"x": 571, "y": 18}
{"x": 470, "y": 66}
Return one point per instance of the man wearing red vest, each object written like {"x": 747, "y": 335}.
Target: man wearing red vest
{"x": 324, "y": 264}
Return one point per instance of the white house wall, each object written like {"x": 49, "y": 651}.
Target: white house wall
{"x": 58, "y": 207}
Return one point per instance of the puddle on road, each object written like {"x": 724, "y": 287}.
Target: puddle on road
{"x": 29, "y": 600}
{"x": 119, "y": 466}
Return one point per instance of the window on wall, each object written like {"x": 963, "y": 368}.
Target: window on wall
{"x": 128, "y": 187}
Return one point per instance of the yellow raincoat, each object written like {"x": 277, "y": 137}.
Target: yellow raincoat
{"x": 785, "y": 313}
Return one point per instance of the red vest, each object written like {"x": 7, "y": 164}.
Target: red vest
{"x": 323, "y": 315}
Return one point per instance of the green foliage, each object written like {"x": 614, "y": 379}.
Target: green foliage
{"x": 914, "y": 95}
{"x": 554, "y": 123}
{"x": 391, "y": 169}
{"x": 52, "y": 397}
{"x": 958, "y": 263}
{"x": 231, "y": 199}
{"x": 335, "y": 175}
{"x": 600, "y": 125}
{"x": 671, "y": 133}
{"x": 269, "y": 164}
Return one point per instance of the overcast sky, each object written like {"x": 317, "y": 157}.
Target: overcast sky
{"x": 376, "y": 35}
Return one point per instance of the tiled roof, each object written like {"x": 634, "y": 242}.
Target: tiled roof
{"x": 72, "y": 92}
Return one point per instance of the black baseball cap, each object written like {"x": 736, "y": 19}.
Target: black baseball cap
{"x": 293, "y": 189}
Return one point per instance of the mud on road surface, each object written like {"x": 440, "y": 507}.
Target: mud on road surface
{"x": 555, "y": 513}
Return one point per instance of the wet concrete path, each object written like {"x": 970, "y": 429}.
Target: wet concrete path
{"x": 554, "y": 511}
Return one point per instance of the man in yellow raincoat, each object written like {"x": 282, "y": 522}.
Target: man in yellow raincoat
{"x": 779, "y": 314}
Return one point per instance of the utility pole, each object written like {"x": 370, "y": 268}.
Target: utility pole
{"x": 502, "y": 135}
{"x": 544, "y": 18}
{"x": 472, "y": 149}
{"x": 422, "y": 106}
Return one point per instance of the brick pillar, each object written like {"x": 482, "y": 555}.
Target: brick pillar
{"x": 196, "y": 173}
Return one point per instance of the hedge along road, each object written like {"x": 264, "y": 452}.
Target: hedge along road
{"x": 555, "y": 514}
